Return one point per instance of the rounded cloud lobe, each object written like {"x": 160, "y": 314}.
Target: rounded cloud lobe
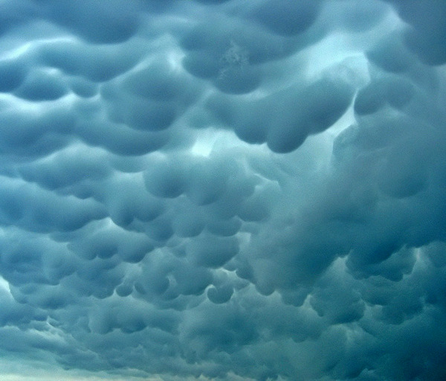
{"x": 224, "y": 189}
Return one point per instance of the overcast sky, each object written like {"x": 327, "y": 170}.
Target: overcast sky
{"x": 222, "y": 190}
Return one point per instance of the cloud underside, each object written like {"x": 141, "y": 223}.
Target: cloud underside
{"x": 223, "y": 189}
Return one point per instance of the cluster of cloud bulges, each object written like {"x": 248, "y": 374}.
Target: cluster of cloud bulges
{"x": 235, "y": 190}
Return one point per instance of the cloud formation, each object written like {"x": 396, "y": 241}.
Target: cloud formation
{"x": 223, "y": 189}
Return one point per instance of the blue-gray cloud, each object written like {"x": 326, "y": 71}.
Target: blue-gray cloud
{"x": 223, "y": 189}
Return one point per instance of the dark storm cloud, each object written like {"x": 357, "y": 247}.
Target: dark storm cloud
{"x": 223, "y": 189}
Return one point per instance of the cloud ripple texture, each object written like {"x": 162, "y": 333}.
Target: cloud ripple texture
{"x": 223, "y": 190}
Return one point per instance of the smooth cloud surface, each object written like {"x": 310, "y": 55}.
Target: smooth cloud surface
{"x": 223, "y": 189}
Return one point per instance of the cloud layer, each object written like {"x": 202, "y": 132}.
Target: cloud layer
{"x": 223, "y": 189}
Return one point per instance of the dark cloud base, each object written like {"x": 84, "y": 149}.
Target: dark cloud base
{"x": 226, "y": 189}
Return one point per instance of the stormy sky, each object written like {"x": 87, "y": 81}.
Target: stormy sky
{"x": 223, "y": 190}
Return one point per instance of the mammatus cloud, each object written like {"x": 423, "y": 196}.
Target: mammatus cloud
{"x": 231, "y": 190}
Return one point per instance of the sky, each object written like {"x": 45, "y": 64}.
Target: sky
{"x": 228, "y": 190}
